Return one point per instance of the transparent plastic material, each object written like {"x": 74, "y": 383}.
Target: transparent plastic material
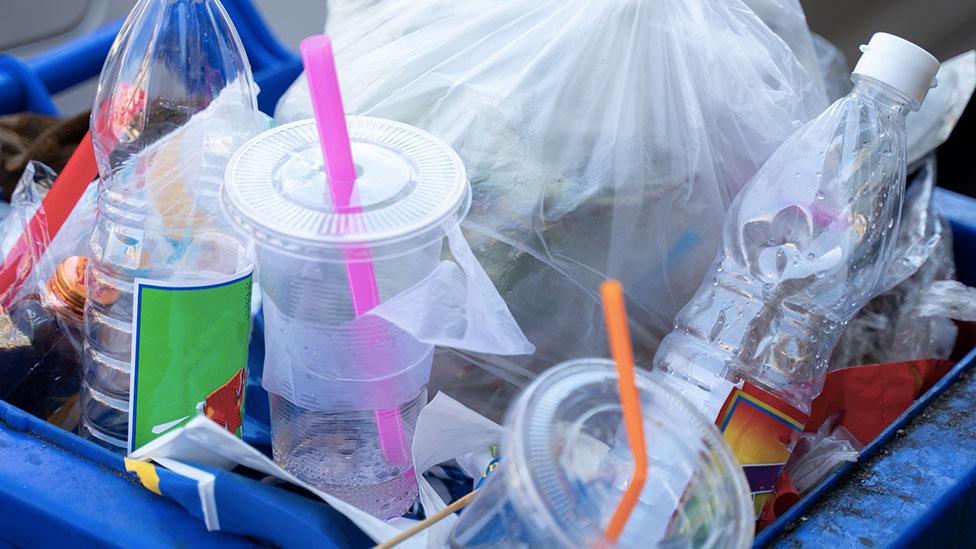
{"x": 341, "y": 453}
{"x": 931, "y": 125}
{"x": 918, "y": 298}
{"x": 816, "y": 455}
{"x": 332, "y": 374}
{"x": 833, "y": 64}
{"x": 595, "y": 137}
{"x": 174, "y": 100}
{"x": 805, "y": 246}
{"x": 787, "y": 20}
{"x": 566, "y": 463}
{"x": 40, "y": 335}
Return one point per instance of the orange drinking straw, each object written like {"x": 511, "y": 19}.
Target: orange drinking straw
{"x": 623, "y": 354}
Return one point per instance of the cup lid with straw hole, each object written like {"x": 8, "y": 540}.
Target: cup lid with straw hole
{"x": 569, "y": 463}
{"x": 411, "y": 189}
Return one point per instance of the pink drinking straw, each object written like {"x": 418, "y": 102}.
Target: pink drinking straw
{"x": 330, "y": 119}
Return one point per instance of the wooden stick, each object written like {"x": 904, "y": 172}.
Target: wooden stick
{"x": 427, "y": 522}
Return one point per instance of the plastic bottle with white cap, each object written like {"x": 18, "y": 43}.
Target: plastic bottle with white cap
{"x": 804, "y": 245}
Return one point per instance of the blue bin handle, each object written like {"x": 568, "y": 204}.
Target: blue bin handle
{"x": 21, "y": 89}
{"x": 76, "y": 61}
{"x": 29, "y": 85}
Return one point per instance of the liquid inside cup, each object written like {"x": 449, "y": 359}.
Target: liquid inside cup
{"x": 345, "y": 390}
{"x": 566, "y": 463}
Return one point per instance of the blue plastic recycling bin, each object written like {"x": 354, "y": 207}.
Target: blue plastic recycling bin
{"x": 914, "y": 485}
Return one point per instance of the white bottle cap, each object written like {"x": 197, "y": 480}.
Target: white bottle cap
{"x": 899, "y": 64}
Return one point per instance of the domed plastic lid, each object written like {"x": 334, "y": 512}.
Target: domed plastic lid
{"x": 411, "y": 189}
{"x": 570, "y": 463}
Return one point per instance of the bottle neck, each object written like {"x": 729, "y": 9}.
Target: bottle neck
{"x": 882, "y": 95}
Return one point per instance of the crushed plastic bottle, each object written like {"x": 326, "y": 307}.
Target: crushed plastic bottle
{"x": 175, "y": 99}
{"x": 804, "y": 246}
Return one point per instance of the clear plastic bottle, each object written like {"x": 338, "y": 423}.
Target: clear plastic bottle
{"x": 175, "y": 99}
{"x": 805, "y": 244}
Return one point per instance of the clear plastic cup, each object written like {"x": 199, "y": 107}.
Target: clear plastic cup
{"x": 566, "y": 463}
{"x": 345, "y": 391}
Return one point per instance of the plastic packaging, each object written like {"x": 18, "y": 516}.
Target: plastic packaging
{"x": 596, "y": 142}
{"x": 833, "y": 64}
{"x": 338, "y": 380}
{"x": 931, "y": 125}
{"x": 787, "y": 20}
{"x": 816, "y": 455}
{"x": 566, "y": 461}
{"x": 806, "y": 244}
{"x": 918, "y": 299}
{"x": 40, "y": 331}
{"x": 175, "y": 99}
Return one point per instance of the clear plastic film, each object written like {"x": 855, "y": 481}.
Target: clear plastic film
{"x": 383, "y": 358}
{"x": 931, "y": 125}
{"x": 833, "y": 64}
{"x": 918, "y": 298}
{"x": 787, "y": 20}
{"x": 25, "y": 201}
{"x": 178, "y": 180}
{"x": 597, "y": 141}
{"x": 41, "y": 330}
{"x": 816, "y": 455}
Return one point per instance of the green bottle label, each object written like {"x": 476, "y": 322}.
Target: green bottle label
{"x": 189, "y": 354}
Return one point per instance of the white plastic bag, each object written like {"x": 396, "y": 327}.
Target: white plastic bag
{"x": 833, "y": 64}
{"x": 787, "y": 20}
{"x": 602, "y": 139}
{"x": 931, "y": 125}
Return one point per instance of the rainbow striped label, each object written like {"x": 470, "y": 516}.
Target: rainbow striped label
{"x": 761, "y": 429}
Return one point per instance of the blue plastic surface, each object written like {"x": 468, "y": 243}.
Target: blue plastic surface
{"x": 29, "y": 85}
{"x": 915, "y": 485}
{"x": 58, "y": 490}
{"x": 21, "y": 89}
{"x": 76, "y": 61}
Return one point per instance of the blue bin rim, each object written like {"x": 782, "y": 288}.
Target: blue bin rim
{"x": 961, "y": 211}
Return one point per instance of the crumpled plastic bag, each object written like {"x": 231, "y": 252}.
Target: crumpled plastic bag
{"x": 185, "y": 233}
{"x": 816, "y": 455}
{"x": 833, "y": 64}
{"x": 931, "y": 124}
{"x": 602, "y": 139}
{"x": 787, "y": 19}
{"x": 455, "y": 306}
{"x": 911, "y": 317}
{"x": 40, "y": 368}
{"x": 339, "y": 11}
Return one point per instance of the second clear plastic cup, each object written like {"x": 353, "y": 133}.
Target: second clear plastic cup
{"x": 345, "y": 391}
{"x": 566, "y": 463}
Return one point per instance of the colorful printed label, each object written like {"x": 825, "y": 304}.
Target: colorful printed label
{"x": 189, "y": 354}
{"x": 761, "y": 429}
